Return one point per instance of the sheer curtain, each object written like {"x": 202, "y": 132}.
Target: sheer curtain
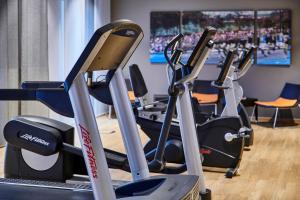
{"x": 3, "y": 63}
{"x": 71, "y": 23}
{"x": 34, "y": 49}
{"x": 41, "y": 40}
{"x": 23, "y": 53}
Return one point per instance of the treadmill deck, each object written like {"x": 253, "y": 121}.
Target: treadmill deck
{"x": 171, "y": 187}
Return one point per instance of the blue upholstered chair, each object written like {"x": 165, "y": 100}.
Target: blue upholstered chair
{"x": 289, "y": 98}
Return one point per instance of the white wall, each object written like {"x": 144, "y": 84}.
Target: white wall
{"x": 261, "y": 82}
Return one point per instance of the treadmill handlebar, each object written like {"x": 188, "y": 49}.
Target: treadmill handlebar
{"x": 47, "y": 96}
{"x": 41, "y": 84}
{"x": 17, "y": 94}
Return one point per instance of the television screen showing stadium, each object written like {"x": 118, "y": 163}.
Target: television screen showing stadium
{"x": 235, "y": 30}
{"x": 164, "y": 26}
{"x": 270, "y": 30}
{"x": 273, "y": 37}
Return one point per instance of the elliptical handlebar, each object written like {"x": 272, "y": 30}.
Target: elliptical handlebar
{"x": 215, "y": 84}
{"x": 246, "y": 57}
{"x": 176, "y": 54}
{"x": 245, "y": 63}
{"x": 225, "y": 71}
{"x": 199, "y": 55}
{"x": 172, "y": 44}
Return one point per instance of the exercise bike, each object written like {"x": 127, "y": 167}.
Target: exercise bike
{"x": 243, "y": 67}
{"x": 237, "y": 74}
{"x": 221, "y": 139}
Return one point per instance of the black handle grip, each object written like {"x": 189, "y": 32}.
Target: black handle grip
{"x": 172, "y": 43}
{"x": 218, "y": 85}
{"x": 246, "y": 58}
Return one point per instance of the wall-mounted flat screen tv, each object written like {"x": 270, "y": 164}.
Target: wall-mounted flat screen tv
{"x": 273, "y": 37}
{"x": 270, "y": 30}
{"x": 235, "y": 29}
{"x": 164, "y": 26}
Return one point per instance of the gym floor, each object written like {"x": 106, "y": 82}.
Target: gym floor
{"x": 270, "y": 170}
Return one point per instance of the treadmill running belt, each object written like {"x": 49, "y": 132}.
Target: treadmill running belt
{"x": 19, "y": 192}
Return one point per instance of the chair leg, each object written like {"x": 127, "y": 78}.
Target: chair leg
{"x": 275, "y": 118}
{"x": 256, "y": 113}
{"x": 253, "y": 111}
{"x": 109, "y": 112}
{"x": 216, "y": 109}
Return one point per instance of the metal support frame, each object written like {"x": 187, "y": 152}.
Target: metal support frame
{"x": 189, "y": 136}
{"x": 275, "y": 118}
{"x": 216, "y": 108}
{"x": 231, "y": 106}
{"x": 110, "y": 107}
{"x": 187, "y": 123}
{"x": 253, "y": 113}
{"x": 238, "y": 91}
{"x": 90, "y": 140}
{"x": 132, "y": 141}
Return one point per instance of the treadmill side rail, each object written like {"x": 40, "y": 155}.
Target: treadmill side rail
{"x": 90, "y": 140}
{"x": 128, "y": 126}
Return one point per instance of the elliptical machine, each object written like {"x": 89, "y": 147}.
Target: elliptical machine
{"x": 221, "y": 139}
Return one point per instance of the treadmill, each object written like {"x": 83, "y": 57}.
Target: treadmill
{"x": 109, "y": 49}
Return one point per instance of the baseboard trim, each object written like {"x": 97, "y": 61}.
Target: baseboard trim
{"x": 268, "y": 119}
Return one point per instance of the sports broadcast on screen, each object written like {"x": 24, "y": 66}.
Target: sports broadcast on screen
{"x": 164, "y": 26}
{"x": 270, "y": 30}
{"x": 274, "y": 37}
{"x": 235, "y": 30}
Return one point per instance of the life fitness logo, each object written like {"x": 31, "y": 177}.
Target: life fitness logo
{"x": 31, "y": 138}
{"x": 205, "y": 151}
{"x": 89, "y": 150}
